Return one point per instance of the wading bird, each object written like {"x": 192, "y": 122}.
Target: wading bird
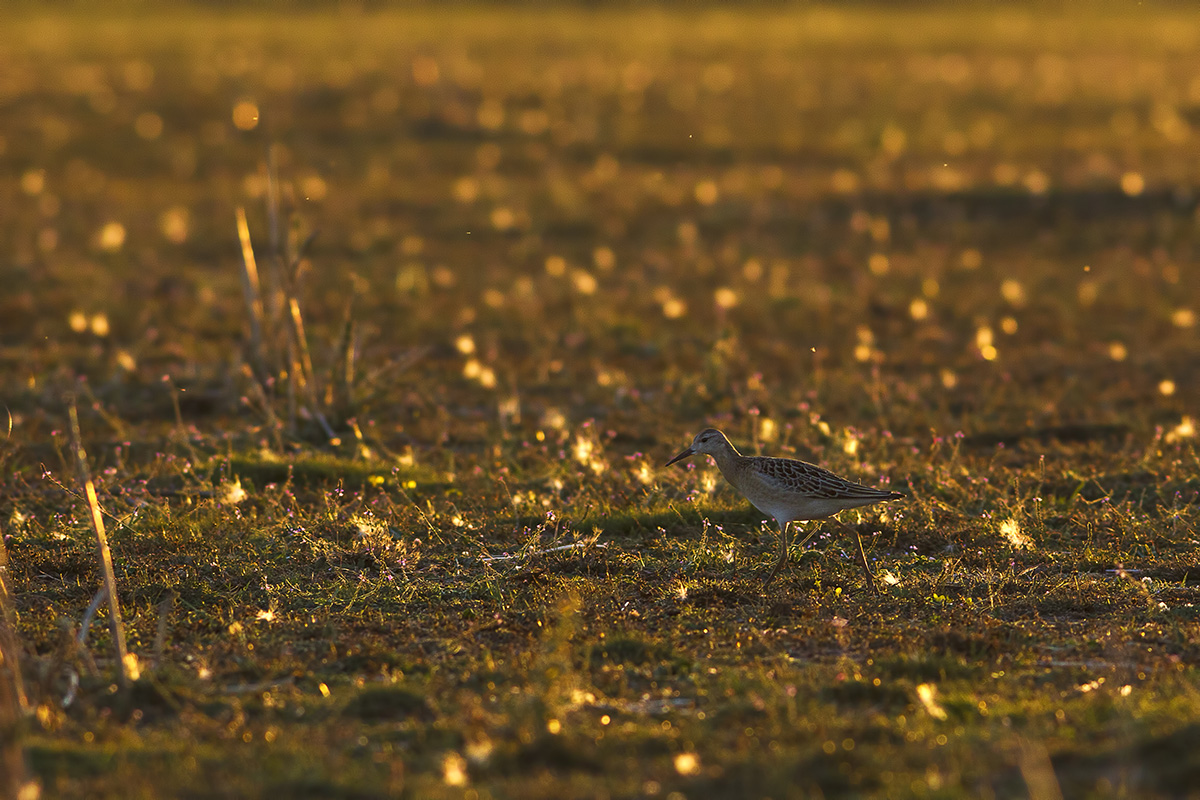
{"x": 788, "y": 490}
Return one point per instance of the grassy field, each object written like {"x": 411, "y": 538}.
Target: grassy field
{"x": 398, "y": 524}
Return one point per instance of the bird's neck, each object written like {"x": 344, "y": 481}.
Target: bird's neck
{"x": 727, "y": 459}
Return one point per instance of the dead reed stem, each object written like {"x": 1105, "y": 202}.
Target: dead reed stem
{"x": 260, "y": 396}
{"x": 14, "y": 704}
{"x": 165, "y": 609}
{"x": 342, "y": 377}
{"x": 10, "y": 647}
{"x": 309, "y": 384}
{"x": 252, "y": 290}
{"x": 104, "y": 554}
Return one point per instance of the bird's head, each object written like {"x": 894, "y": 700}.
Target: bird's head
{"x": 709, "y": 441}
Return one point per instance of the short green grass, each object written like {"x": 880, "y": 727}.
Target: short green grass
{"x": 951, "y": 251}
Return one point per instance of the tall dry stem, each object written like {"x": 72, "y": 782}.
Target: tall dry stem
{"x": 252, "y": 290}
{"x": 14, "y": 704}
{"x": 104, "y": 554}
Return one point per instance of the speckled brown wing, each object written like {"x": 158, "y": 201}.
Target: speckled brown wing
{"x": 790, "y": 475}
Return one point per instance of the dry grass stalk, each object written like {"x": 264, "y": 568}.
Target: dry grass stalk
{"x": 165, "y": 609}
{"x": 14, "y": 703}
{"x": 252, "y": 290}
{"x": 301, "y": 380}
{"x": 308, "y": 381}
{"x": 90, "y": 614}
{"x": 342, "y": 373}
{"x": 10, "y": 647}
{"x": 301, "y": 342}
{"x": 273, "y": 217}
{"x": 279, "y": 345}
{"x": 293, "y": 402}
{"x": 104, "y": 554}
{"x": 260, "y": 396}
{"x": 5, "y": 450}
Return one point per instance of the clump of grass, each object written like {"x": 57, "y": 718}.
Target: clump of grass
{"x": 389, "y": 703}
{"x": 278, "y": 355}
{"x": 316, "y": 469}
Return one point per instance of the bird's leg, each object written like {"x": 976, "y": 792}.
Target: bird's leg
{"x": 863, "y": 554}
{"x": 783, "y": 529}
{"x": 811, "y": 534}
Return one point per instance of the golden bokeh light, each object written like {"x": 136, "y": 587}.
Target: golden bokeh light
{"x": 604, "y": 258}
{"x": 490, "y": 114}
{"x": 148, "y": 125}
{"x": 584, "y": 282}
{"x": 984, "y": 338}
{"x": 313, "y": 187}
{"x": 844, "y": 181}
{"x": 138, "y": 75}
{"x": 1133, "y": 184}
{"x": 533, "y": 121}
{"x": 47, "y": 240}
{"x": 893, "y": 140}
{"x": 1013, "y": 291}
{"x": 719, "y": 77}
{"x": 1036, "y": 182}
{"x": 674, "y": 308}
{"x": 174, "y": 224}
{"x": 111, "y": 237}
{"x": 503, "y": 218}
{"x": 454, "y": 770}
{"x": 1186, "y": 429}
{"x": 1005, "y": 174}
{"x": 465, "y": 190}
{"x": 425, "y": 71}
{"x": 1087, "y": 292}
{"x": 706, "y": 193}
{"x": 688, "y": 233}
{"x": 99, "y": 325}
{"x": 33, "y": 181}
{"x": 245, "y": 115}
{"x": 687, "y": 764}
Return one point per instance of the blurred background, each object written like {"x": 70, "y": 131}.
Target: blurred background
{"x": 901, "y": 215}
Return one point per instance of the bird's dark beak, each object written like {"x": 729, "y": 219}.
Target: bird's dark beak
{"x": 684, "y": 454}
